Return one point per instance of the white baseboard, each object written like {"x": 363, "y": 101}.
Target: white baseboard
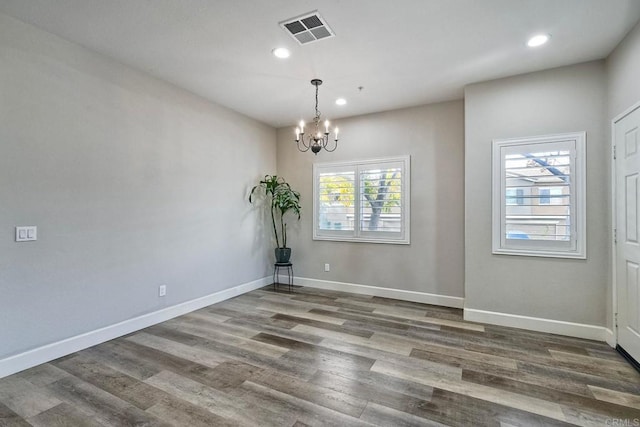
{"x": 46, "y": 353}
{"x": 610, "y": 338}
{"x": 578, "y": 330}
{"x": 423, "y": 297}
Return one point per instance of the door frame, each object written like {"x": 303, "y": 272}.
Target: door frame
{"x": 612, "y": 335}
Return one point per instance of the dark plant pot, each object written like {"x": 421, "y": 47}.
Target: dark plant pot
{"x": 283, "y": 254}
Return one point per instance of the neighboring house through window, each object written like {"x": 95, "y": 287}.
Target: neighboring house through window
{"x": 539, "y": 196}
{"x": 515, "y": 196}
{"x": 552, "y": 196}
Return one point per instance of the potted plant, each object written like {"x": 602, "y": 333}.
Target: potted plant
{"x": 281, "y": 199}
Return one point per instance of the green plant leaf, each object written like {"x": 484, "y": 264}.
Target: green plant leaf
{"x": 282, "y": 199}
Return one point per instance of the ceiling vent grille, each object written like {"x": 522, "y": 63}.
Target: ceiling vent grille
{"x": 307, "y": 28}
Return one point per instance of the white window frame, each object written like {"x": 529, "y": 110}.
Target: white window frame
{"x": 358, "y": 235}
{"x": 576, "y": 247}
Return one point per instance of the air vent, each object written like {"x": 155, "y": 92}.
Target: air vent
{"x": 307, "y": 28}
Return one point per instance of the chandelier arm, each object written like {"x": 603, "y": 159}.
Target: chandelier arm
{"x": 306, "y": 147}
{"x": 335, "y": 141}
{"x": 325, "y": 140}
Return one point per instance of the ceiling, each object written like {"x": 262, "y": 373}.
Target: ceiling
{"x": 403, "y": 52}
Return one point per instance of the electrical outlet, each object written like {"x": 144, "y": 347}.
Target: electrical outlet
{"x": 327, "y": 267}
{"x": 162, "y": 290}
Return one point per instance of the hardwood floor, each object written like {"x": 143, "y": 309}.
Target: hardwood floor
{"x": 316, "y": 357}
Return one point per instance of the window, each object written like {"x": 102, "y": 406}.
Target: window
{"x": 539, "y": 196}
{"x": 551, "y": 196}
{"x": 362, "y": 201}
{"x": 515, "y": 196}
{"x": 545, "y": 196}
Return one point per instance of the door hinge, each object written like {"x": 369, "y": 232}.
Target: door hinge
{"x": 615, "y": 319}
{"x": 614, "y": 152}
{"x": 615, "y": 235}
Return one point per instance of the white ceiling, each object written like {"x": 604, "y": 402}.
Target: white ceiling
{"x": 403, "y": 52}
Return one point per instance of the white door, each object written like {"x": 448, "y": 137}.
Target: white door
{"x": 627, "y": 146}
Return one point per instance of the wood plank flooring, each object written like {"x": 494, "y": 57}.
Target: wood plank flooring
{"x": 316, "y": 357}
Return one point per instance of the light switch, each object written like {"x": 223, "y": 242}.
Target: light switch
{"x": 26, "y": 233}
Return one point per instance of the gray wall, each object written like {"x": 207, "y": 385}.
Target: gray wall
{"x": 433, "y": 263}
{"x": 623, "y": 91}
{"x": 623, "y": 74}
{"x": 132, "y": 183}
{"x": 560, "y": 100}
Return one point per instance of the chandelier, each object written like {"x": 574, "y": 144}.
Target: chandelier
{"x": 317, "y": 140}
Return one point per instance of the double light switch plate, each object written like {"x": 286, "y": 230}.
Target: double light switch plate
{"x": 26, "y": 233}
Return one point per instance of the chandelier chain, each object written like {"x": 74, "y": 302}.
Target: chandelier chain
{"x": 317, "y": 117}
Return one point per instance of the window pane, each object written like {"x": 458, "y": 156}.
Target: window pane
{"x": 337, "y": 201}
{"x": 515, "y": 196}
{"x": 381, "y": 200}
{"x": 362, "y": 201}
{"x": 538, "y": 195}
{"x": 545, "y": 198}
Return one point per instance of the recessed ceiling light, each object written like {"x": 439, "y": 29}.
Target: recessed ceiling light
{"x": 341, "y": 101}
{"x": 538, "y": 40}
{"x": 281, "y": 52}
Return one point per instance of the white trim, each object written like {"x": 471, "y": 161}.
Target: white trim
{"x": 361, "y": 240}
{"x": 48, "y": 352}
{"x": 560, "y": 327}
{"x": 613, "y": 340}
{"x": 576, "y": 248}
{"x": 609, "y": 337}
{"x": 626, "y": 112}
{"x": 539, "y": 253}
{"x": 614, "y": 249}
{"x": 414, "y": 296}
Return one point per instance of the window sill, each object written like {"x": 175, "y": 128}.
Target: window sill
{"x": 363, "y": 240}
{"x": 540, "y": 253}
